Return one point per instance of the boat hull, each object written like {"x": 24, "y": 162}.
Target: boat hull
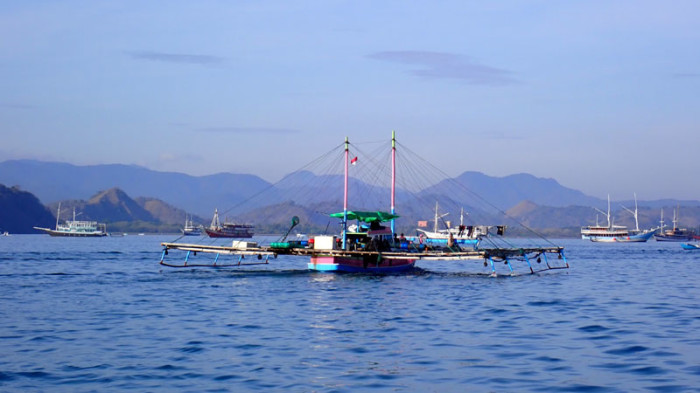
{"x": 673, "y": 238}
{"x": 690, "y": 246}
{"x": 369, "y": 264}
{"x": 56, "y": 233}
{"x": 223, "y": 234}
{"x": 642, "y": 237}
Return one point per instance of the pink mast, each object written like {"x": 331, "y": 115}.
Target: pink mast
{"x": 345, "y": 199}
{"x": 393, "y": 178}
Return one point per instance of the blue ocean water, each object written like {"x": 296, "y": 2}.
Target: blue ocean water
{"x": 82, "y": 315}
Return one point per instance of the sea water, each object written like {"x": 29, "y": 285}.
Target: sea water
{"x": 84, "y": 315}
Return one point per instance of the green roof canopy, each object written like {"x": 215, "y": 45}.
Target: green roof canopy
{"x": 367, "y": 216}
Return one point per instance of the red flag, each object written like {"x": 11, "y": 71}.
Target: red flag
{"x": 422, "y": 224}
{"x": 353, "y": 161}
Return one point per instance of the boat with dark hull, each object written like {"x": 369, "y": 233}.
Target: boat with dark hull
{"x": 228, "y": 229}
{"x": 674, "y": 234}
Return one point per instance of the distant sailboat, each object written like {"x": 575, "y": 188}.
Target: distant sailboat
{"x": 75, "y": 228}
{"x": 676, "y": 234}
{"x": 616, "y": 233}
{"x": 190, "y": 229}
{"x": 228, "y": 229}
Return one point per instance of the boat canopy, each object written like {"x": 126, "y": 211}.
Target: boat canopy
{"x": 367, "y": 216}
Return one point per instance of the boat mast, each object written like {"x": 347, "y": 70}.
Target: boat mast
{"x": 435, "y": 225}
{"x": 634, "y": 213}
{"x": 393, "y": 179}
{"x": 675, "y": 216}
{"x": 345, "y": 199}
{"x": 58, "y": 214}
{"x": 214, "y": 221}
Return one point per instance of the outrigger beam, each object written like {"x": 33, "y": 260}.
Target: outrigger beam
{"x": 491, "y": 255}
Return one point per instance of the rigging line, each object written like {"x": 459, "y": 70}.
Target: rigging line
{"x": 481, "y": 198}
{"x": 276, "y": 183}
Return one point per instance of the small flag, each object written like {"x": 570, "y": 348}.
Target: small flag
{"x": 353, "y": 161}
{"x": 422, "y": 224}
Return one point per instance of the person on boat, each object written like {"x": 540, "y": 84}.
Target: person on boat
{"x": 451, "y": 243}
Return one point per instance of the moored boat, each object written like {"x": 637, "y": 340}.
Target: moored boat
{"x": 190, "y": 229}
{"x": 617, "y": 233}
{"x": 469, "y": 235}
{"x": 675, "y": 234}
{"x": 228, "y": 229}
{"x": 75, "y": 228}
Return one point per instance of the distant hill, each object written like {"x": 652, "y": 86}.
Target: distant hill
{"x": 21, "y": 210}
{"x": 121, "y": 213}
{"x": 53, "y": 182}
{"x": 166, "y": 213}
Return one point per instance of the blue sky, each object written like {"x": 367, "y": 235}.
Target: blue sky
{"x": 603, "y": 96}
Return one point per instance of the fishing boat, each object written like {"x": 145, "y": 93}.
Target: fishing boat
{"x": 467, "y": 235}
{"x": 190, "y": 229}
{"x": 691, "y": 246}
{"x": 228, "y": 229}
{"x": 366, "y": 243}
{"x": 616, "y": 233}
{"x": 675, "y": 234}
{"x": 75, "y": 228}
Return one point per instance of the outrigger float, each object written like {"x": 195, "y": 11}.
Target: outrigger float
{"x": 365, "y": 247}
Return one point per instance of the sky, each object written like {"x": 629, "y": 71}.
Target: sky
{"x": 601, "y": 95}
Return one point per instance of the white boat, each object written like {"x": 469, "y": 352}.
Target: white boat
{"x": 75, "y": 228}
{"x": 469, "y": 235}
{"x": 616, "y": 233}
{"x": 190, "y": 229}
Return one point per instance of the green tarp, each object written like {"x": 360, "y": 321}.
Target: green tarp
{"x": 367, "y": 216}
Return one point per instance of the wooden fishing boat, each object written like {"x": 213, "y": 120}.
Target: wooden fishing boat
{"x": 228, "y": 229}
{"x": 367, "y": 243}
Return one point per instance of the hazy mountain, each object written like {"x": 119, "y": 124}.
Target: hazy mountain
{"x": 21, "y": 210}
{"x": 505, "y": 192}
{"x": 166, "y": 213}
{"x": 52, "y": 182}
{"x": 168, "y": 197}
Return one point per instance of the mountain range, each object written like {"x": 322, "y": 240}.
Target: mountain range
{"x": 161, "y": 200}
